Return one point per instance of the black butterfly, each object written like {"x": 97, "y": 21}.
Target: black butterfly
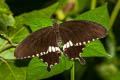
{"x": 45, "y": 43}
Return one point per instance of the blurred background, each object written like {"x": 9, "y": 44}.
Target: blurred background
{"x": 97, "y": 68}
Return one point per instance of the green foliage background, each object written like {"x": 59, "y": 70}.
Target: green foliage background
{"x": 102, "y": 57}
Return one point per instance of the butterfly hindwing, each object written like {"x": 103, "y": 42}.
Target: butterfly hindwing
{"x": 41, "y": 43}
{"x": 74, "y": 52}
{"x": 52, "y": 58}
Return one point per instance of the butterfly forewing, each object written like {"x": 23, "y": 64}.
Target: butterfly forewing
{"x": 32, "y": 44}
{"x": 83, "y": 30}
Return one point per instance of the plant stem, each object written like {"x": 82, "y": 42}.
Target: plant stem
{"x": 6, "y": 48}
{"x": 93, "y": 4}
{"x": 114, "y": 13}
{"x": 73, "y": 72}
{"x": 8, "y": 39}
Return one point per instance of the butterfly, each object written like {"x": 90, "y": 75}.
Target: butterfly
{"x": 73, "y": 35}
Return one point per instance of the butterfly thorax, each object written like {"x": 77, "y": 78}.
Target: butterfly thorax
{"x": 57, "y": 32}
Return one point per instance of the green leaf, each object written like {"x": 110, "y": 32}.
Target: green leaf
{"x": 94, "y": 49}
{"x": 4, "y": 7}
{"x": 82, "y": 4}
{"x": 20, "y": 32}
{"x": 1, "y": 41}
{"x": 8, "y": 54}
{"x": 6, "y": 18}
{"x": 38, "y": 23}
{"x": 5, "y": 21}
{"x": 38, "y": 70}
{"x": 9, "y": 19}
{"x": 98, "y": 15}
{"x": 9, "y": 71}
